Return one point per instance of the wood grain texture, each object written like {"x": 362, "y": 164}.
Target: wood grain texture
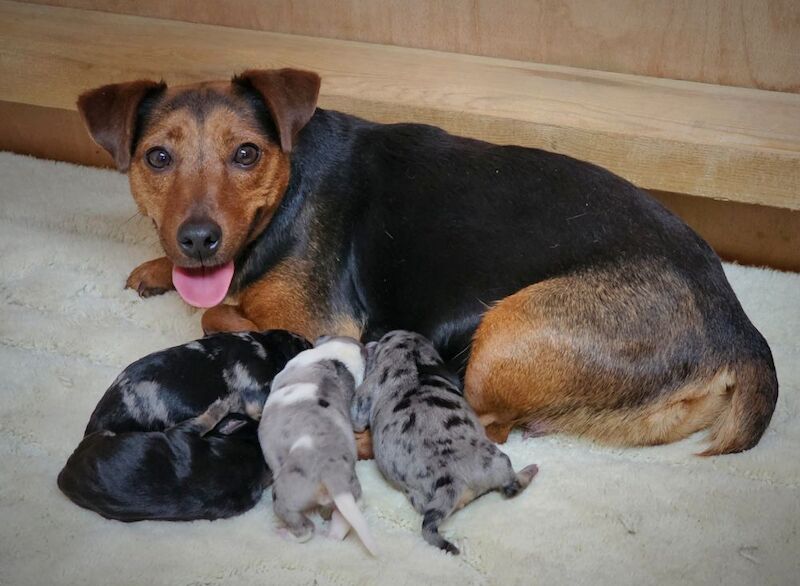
{"x": 722, "y": 142}
{"x": 747, "y": 43}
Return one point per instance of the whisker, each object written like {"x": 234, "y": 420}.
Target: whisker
{"x": 129, "y": 219}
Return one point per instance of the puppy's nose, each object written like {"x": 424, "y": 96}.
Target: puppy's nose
{"x": 199, "y": 239}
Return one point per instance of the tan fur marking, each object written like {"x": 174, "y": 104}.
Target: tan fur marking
{"x": 226, "y": 318}
{"x": 283, "y": 299}
{"x": 555, "y": 354}
{"x": 151, "y": 278}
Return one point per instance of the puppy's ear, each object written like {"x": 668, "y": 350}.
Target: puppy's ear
{"x": 291, "y": 97}
{"x": 109, "y": 113}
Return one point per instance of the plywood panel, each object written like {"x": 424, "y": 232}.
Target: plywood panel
{"x": 713, "y": 141}
{"x": 748, "y": 43}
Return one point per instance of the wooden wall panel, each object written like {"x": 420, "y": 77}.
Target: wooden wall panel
{"x": 716, "y": 141}
{"x": 748, "y": 43}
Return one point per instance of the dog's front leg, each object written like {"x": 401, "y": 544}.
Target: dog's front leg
{"x": 226, "y": 318}
{"x": 153, "y": 277}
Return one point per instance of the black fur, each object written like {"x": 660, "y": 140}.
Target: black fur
{"x": 172, "y": 475}
{"x": 418, "y": 229}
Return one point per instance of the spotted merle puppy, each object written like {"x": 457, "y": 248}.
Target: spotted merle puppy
{"x": 427, "y": 440}
{"x": 208, "y": 467}
{"x": 176, "y": 384}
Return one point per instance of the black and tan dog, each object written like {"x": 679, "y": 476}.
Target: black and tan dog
{"x": 569, "y": 299}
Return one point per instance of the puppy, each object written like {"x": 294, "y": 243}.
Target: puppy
{"x": 427, "y": 441}
{"x": 307, "y": 438}
{"x": 179, "y": 383}
{"x": 186, "y": 472}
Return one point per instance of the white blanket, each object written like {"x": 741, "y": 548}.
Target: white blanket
{"x": 594, "y": 515}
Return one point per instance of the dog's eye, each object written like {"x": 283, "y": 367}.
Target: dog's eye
{"x": 246, "y": 154}
{"x": 158, "y": 158}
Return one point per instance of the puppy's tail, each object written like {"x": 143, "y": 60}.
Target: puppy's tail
{"x": 346, "y": 505}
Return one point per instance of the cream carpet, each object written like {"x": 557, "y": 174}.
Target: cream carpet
{"x": 594, "y": 515}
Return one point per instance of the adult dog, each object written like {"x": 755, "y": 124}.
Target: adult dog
{"x": 569, "y": 299}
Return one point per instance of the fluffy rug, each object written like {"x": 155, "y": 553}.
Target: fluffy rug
{"x": 594, "y": 515}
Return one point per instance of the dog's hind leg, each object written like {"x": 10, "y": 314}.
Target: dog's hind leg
{"x": 520, "y": 481}
{"x": 209, "y": 419}
{"x": 296, "y": 522}
{"x": 623, "y": 355}
{"x": 446, "y": 499}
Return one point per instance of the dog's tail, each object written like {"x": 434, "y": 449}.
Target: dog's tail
{"x": 346, "y": 505}
{"x": 742, "y": 422}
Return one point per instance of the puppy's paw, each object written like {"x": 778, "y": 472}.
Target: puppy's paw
{"x": 153, "y": 277}
{"x": 299, "y": 535}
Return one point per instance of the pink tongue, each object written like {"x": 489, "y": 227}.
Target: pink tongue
{"x": 203, "y": 287}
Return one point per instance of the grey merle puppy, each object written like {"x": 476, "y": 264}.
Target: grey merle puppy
{"x": 427, "y": 440}
{"x": 307, "y": 438}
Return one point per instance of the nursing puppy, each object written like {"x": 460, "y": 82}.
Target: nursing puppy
{"x": 179, "y": 383}
{"x": 307, "y": 438}
{"x": 208, "y": 467}
{"x": 427, "y": 440}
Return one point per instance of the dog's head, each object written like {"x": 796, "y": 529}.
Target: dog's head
{"x": 207, "y": 162}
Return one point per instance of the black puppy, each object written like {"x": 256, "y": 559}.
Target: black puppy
{"x": 149, "y": 451}
{"x": 172, "y": 385}
{"x": 186, "y": 472}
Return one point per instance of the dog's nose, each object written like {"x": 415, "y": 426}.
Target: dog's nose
{"x": 199, "y": 240}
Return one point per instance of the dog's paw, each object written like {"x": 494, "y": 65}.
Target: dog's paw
{"x": 364, "y": 445}
{"x": 153, "y": 277}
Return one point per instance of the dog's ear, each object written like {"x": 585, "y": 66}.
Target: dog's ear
{"x": 291, "y": 97}
{"x": 109, "y": 113}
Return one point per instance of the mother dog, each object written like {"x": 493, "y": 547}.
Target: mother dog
{"x": 569, "y": 299}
